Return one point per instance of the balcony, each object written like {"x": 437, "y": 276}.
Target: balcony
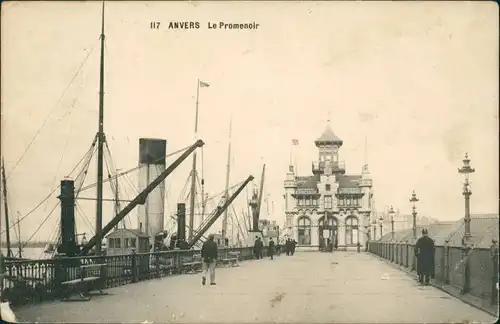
{"x": 337, "y": 167}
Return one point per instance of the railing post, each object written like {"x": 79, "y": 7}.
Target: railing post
{"x": 494, "y": 283}
{"x": 413, "y": 259}
{"x": 134, "y": 267}
{"x": 466, "y": 249}
{"x": 446, "y": 267}
{"x": 407, "y": 255}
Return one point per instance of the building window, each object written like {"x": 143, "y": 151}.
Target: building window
{"x": 327, "y": 187}
{"x": 348, "y": 201}
{"x": 328, "y": 202}
{"x": 308, "y": 201}
{"x": 304, "y": 231}
{"x": 351, "y": 231}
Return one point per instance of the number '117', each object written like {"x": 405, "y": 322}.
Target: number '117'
{"x": 154, "y": 25}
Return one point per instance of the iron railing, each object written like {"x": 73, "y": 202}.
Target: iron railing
{"x": 470, "y": 270}
{"x": 33, "y": 281}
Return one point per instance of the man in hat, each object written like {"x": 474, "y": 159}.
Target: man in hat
{"x": 209, "y": 253}
{"x": 424, "y": 251}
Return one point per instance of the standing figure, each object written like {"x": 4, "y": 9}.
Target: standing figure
{"x": 255, "y": 247}
{"x": 293, "y": 244}
{"x": 287, "y": 246}
{"x": 209, "y": 253}
{"x": 271, "y": 248}
{"x": 424, "y": 251}
{"x": 278, "y": 247}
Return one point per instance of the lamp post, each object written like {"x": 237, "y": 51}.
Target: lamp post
{"x": 391, "y": 213}
{"x": 414, "y": 200}
{"x": 380, "y": 222}
{"x": 466, "y": 169}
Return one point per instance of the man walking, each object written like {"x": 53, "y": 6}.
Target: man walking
{"x": 209, "y": 253}
{"x": 424, "y": 250}
{"x": 271, "y": 248}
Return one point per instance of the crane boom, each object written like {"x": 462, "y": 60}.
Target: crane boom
{"x": 140, "y": 199}
{"x": 219, "y": 211}
{"x": 261, "y": 190}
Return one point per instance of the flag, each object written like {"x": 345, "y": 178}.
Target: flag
{"x": 295, "y": 141}
{"x": 203, "y": 84}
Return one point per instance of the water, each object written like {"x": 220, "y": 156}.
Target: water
{"x": 34, "y": 253}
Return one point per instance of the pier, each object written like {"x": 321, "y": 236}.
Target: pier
{"x": 306, "y": 287}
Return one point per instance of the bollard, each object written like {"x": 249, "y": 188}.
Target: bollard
{"x": 494, "y": 283}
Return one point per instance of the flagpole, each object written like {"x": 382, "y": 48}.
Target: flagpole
{"x": 193, "y": 170}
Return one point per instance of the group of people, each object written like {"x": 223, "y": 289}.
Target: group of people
{"x": 274, "y": 248}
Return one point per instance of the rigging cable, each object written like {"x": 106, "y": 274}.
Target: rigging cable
{"x": 51, "y": 112}
{"x": 134, "y": 169}
{"x": 49, "y": 195}
{"x": 39, "y": 226}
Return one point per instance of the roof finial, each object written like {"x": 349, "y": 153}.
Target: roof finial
{"x": 328, "y": 119}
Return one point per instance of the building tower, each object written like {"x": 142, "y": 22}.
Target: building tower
{"x": 152, "y": 153}
{"x": 328, "y": 145}
{"x": 290, "y": 203}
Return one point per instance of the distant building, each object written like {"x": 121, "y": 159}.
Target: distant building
{"x": 401, "y": 222}
{"x": 328, "y": 205}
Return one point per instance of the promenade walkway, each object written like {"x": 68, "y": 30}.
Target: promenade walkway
{"x": 309, "y": 287}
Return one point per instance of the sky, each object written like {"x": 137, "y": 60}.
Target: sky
{"x": 419, "y": 81}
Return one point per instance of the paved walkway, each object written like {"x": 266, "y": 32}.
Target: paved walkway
{"x": 308, "y": 287}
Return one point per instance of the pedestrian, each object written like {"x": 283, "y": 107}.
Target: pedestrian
{"x": 293, "y": 244}
{"x": 255, "y": 248}
{"x": 278, "y": 247}
{"x": 271, "y": 248}
{"x": 261, "y": 248}
{"x": 209, "y": 253}
{"x": 424, "y": 251}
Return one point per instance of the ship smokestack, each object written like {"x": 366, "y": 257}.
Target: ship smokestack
{"x": 181, "y": 222}
{"x": 152, "y": 154}
{"x": 68, "y": 235}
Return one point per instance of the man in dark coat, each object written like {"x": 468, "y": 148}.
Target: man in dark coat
{"x": 424, "y": 251}
{"x": 293, "y": 244}
{"x": 271, "y": 248}
{"x": 209, "y": 253}
{"x": 287, "y": 246}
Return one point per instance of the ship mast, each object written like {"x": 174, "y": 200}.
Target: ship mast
{"x": 6, "y": 207}
{"x": 192, "y": 195}
{"x": 100, "y": 140}
{"x": 224, "y": 219}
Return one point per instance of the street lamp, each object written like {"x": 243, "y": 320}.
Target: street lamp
{"x": 391, "y": 213}
{"x": 414, "y": 200}
{"x": 466, "y": 169}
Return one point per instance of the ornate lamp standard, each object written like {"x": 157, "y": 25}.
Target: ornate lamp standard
{"x": 392, "y": 213}
{"x": 466, "y": 169}
{"x": 414, "y": 200}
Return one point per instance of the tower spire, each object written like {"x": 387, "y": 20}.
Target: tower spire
{"x": 366, "y": 152}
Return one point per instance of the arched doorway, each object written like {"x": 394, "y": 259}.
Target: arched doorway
{"x": 304, "y": 231}
{"x": 351, "y": 230}
{"x": 327, "y": 230}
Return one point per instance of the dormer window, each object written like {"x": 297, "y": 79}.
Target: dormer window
{"x": 327, "y": 187}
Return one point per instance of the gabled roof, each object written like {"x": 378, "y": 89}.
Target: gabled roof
{"x": 348, "y": 181}
{"x": 329, "y": 137}
{"x": 307, "y": 182}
